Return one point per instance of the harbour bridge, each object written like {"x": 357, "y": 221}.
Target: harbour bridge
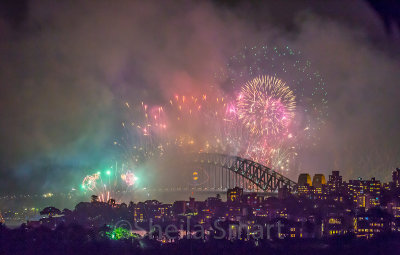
{"x": 213, "y": 172}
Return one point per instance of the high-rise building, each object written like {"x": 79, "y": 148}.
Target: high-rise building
{"x": 365, "y": 193}
{"x": 304, "y": 180}
{"x": 139, "y": 212}
{"x": 356, "y": 191}
{"x": 191, "y": 204}
{"x": 396, "y": 178}
{"x": 179, "y": 207}
{"x": 319, "y": 183}
{"x": 335, "y": 182}
{"x": 304, "y": 185}
{"x": 234, "y": 195}
{"x": 373, "y": 187}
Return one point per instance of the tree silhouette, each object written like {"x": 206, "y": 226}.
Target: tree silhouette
{"x": 111, "y": 201}
{"x": 50, "y": 211}
{"x": 94, "y": 199}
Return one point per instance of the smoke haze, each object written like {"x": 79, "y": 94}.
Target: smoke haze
{"x": 67, "y": 67}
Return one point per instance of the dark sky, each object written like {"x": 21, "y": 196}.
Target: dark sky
{"x": 65, "y": 67}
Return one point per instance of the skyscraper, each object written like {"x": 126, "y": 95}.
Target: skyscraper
{"x": 335, "y": 182}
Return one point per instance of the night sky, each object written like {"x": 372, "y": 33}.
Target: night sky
{"x": 66, "y": 66}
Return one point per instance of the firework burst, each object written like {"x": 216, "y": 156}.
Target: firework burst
{"x": 266, "y": 106}
{"x": 112, "y": 182}
{"x": 271, "y": 105}
{"x": 129, "y": 178}
{"x": 90, "y": 181}
{"x": 289, "y": 65}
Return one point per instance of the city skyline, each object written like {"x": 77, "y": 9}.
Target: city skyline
{"x": 316, "y": 212}
{"x": 199, "y": 127}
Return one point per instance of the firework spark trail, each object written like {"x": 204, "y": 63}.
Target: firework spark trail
{"x": 111, "y": 183}
{"x": 270, "y": 107}
{"x": 210, "y": 124}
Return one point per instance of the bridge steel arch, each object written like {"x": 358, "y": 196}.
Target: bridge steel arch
{"x": 230, "y": 171}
